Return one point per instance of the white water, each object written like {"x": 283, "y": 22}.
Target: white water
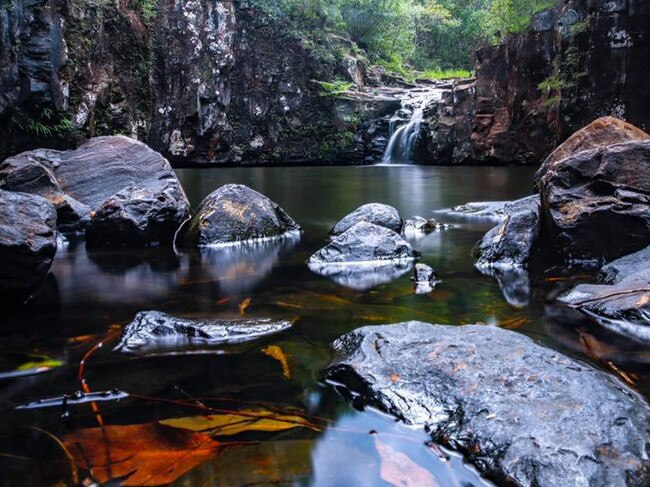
{"x": 401, "y": 145}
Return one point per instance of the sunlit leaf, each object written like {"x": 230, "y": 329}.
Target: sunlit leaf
{"x": 400, "y": 471}
{"x": 243, "y": 306}
{"x": 277, "y": 353}
{"x": 144, "y": 454}
{"x": 235, "y": 423}
{"x": 46, "y": 364}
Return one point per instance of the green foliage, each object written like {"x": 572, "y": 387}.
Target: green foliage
{"x": 334, "y": 89}
{"x": 442, "y": 74}
{"x": 513, "y": 16}
{"x": 40, "y": 122}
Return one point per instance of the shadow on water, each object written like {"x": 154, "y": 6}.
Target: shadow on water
{"x": 91, "y": 294}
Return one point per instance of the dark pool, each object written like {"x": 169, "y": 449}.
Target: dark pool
{"x": 92, "y": 293}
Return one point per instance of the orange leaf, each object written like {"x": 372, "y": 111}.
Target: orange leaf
{"x": 400, "y": 471}
{"x": 142, "y": 454}
{"x": 243, "y": 306}
{"x": 277, "y": 353}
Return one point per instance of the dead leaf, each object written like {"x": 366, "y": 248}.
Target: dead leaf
{"x": 394, "y": 377}
{"x": 645, "y": 299}
{"x": 277, "y": 353}
{"x": 224, "y": 300}
{"x": 400, "y": 471}
{"x": 142, "y": 454}
{"x": 244, "y": 420}
{"x": 243, "y": 306}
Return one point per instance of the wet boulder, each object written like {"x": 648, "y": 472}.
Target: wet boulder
{"x": 622, "y": 301}
{"x": 153, "y": 331}
{"x": 602, "y": 132}
{"x": 96, "y": 176}
{"x": 27, "y": 243}
{"x": 237, "y": 213}
{"x": 513, "y": 242}
{"x": 375, "y": 213}
{"x": 596, "y": 203}
{"x": 522, "y": 413}
{"x": 364, "y": 243}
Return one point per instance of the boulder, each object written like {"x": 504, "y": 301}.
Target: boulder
{"x": 364, "y": 243}
{"x": 376, "y": 213}
{"x": 513, "y": 242}
{"x": 524, "y": 414}
{"x": 236, "y": 213}
{"x": 596, "y": 203}
{"x": 622, "y": 301}
{"x": 424, "y": 278}
{"x": 27, "y": 243}
{"x": 601, "y": 132}
{"x": 153, "y": 331}
{"x": 493, "y": 210}
{"x": 101, "y": 175}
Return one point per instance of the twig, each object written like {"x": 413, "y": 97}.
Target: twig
{"x": 74, "y": 469}
{"x": 609, "y": 296}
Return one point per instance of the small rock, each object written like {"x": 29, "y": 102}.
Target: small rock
{"x": 376, "y": 213}
{"x": 418, "y": 225}
{"x": 153, "y": 331}
{"x": 424, "y": 274}
{"x": 28, "y": 242}
{"x": 236, "y": 213}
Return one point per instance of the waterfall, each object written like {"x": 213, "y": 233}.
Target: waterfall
{"x": 401, "y": 145}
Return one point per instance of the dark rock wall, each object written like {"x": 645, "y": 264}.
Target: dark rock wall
{"x": 580, "y": 61}
{"x": 202, "y": 81}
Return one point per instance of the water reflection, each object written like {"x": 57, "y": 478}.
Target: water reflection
{"x": 363, "y": 277}
{"x": 514, "y": 283}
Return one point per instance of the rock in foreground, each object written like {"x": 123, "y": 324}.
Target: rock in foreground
{"x": 364, "y": 243}
{"x": 376, "y": 213}
{"x": 107, "y": 177}
{"x": 27, "y": 243}
{"x": 524, "y": 414}
{"x": 236, "y": 213}
{"x": 622, "y": 302}
{"x": 596, "y": 203}
{"x": 153, "y": 331}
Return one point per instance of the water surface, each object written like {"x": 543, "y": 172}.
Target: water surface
{"x": 91, "y": 294}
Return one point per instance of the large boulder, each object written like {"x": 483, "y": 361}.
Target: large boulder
{"x": 596, "y": 204}
{"x": 27, "y": 243}
{"x": 236, "y": 213}
{"x": 364, "y": 243}
{"x": 601, "y": 132}
{"x": 152, "y": 331}
{"x": 524, "y": 414}
{"x": 622, "y": 301}
{"x": 376, "y": 213}
{"x": 106, "y": 177}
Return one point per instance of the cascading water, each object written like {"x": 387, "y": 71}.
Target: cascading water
{"x": 401, "y": 145}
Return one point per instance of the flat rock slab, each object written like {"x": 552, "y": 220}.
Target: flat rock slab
{"x": 27, "y": 243}
{"x": 524, "y": 414}
{"x": 376, "y": 213}
{"x": 153, "y": 331}
{"x": 622, "y": 301}
{"x": 492, "y": 210}
{"x": 237, "y": 213}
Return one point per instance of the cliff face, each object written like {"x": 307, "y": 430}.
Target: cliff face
{"x": 582, "y": 60}
{"x": 202, "y": 81}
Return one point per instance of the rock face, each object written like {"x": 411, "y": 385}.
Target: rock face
{"x": 131, "y": 191}
{"x": 27, "y": 243}
{"x": 375, "y": 213}
{"x": 523, "y": 414}
{"x": 598, "y": 193}
{"x": 236, "y": 213}
{"x": 364, "y": 243}
{"x": 514, "y": 242}
{"x": 152, "y": 331}
{"x": 622, "y": 301}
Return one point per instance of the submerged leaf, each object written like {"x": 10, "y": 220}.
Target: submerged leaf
{"x": 243, "y": 306}
{"x": 142, "y": 454}
{"x": 400, "y": 471}
{"x": 235, "y": 423}
{"x": 277, "y": 353}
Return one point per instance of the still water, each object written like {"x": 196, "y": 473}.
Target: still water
{"x": 91, "y": 294}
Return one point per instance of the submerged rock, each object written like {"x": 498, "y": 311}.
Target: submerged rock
{"x": 27, "y": 243}
{"x": 364, "y": 243}
{"x": 236, "y": 213}
{"x": 622, "y": 301}
{"x": 153, "y": 331}
{"x": 105, "y": 176}
{"x": 523, "y": 414}
{"x": 376, "y": 213}
{"x": 595, "y": 203}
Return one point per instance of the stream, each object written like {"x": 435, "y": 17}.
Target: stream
{"x": 91, "y": 294}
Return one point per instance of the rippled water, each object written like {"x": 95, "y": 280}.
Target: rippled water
{"x": 92, "y": 293}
